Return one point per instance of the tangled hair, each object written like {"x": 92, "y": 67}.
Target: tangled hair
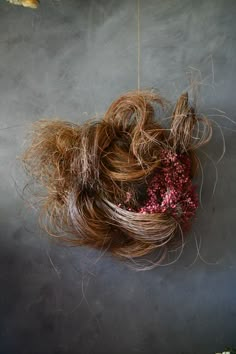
{"x": 106, "y": 180}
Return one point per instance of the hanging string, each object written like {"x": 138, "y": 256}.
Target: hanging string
{"x": 138, "y": 35}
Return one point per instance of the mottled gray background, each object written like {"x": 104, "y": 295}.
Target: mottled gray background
{"x": 71, "y": 58}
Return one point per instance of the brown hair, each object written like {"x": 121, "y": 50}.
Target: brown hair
{"x": 88, "y": 170}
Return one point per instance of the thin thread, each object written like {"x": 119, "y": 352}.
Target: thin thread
{"x": 138, "y": 35}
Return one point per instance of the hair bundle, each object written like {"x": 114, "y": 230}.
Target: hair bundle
{"x": 123, "y": 183}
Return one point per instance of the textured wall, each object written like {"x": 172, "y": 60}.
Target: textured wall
{"x": 71, "y": 58}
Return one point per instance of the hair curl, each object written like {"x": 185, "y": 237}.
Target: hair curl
{"x": 88, "y": 170}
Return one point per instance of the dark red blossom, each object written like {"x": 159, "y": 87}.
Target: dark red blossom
{"x": 170, "y": 190}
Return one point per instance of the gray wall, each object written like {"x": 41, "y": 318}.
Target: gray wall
{"x": 71, "y": 59}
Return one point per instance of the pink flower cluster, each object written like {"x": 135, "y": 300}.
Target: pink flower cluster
{"x": 170, "y": 190}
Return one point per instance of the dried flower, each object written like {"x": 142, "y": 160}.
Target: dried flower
{"x": 170, "y": 190}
